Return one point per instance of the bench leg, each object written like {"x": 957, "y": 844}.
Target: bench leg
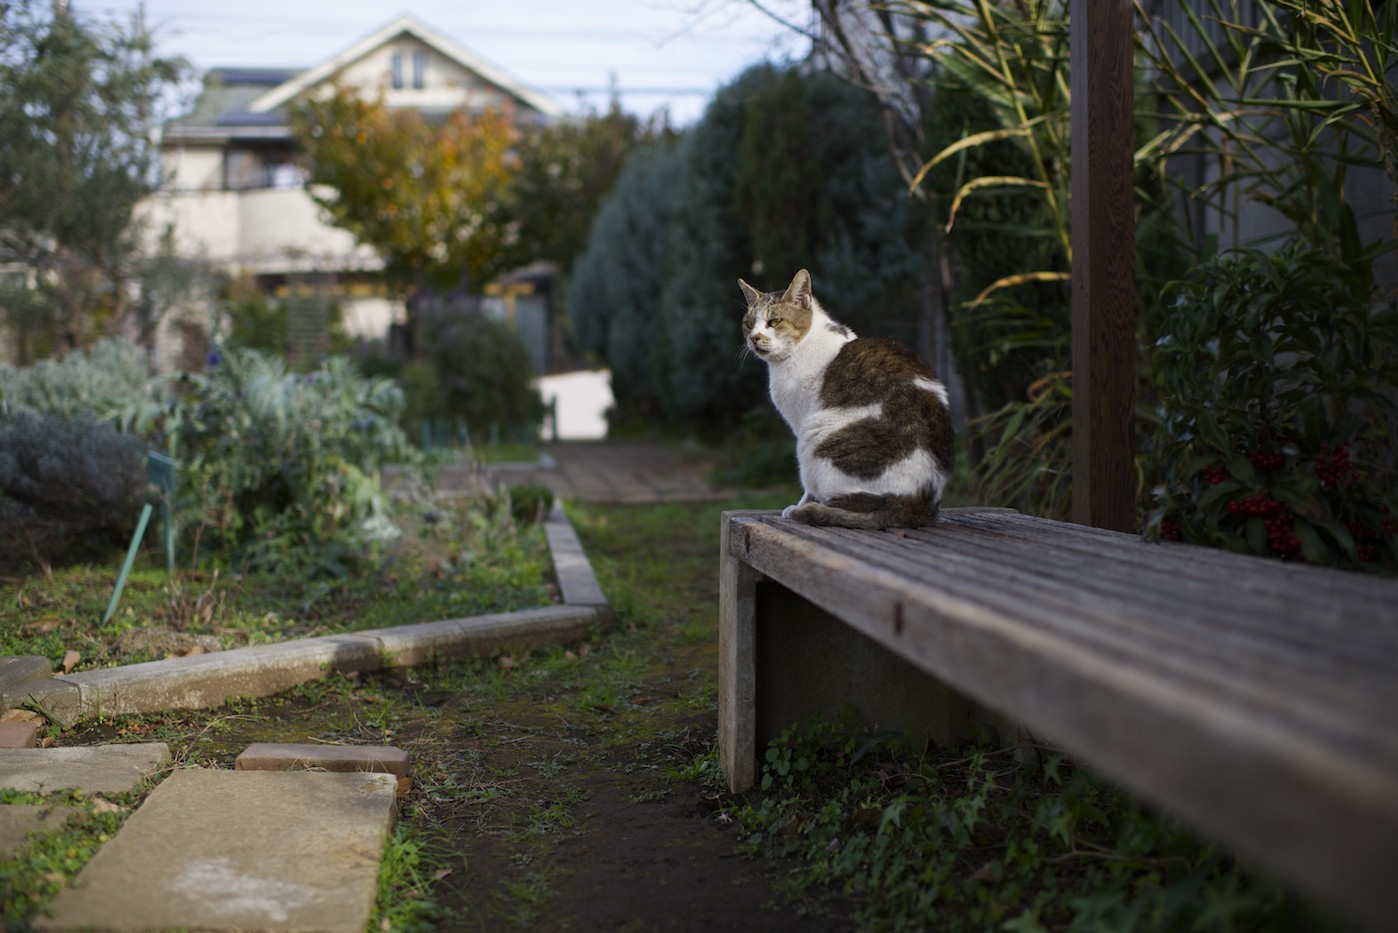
{"x": 737, "y": 671}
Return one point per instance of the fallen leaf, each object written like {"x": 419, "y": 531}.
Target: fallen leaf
{"x": 507, "y": 662}
{"x": 196, "y": 650}
{"x": 46, "y": 742}
{"x": 584, "y": 650}
{"x": 21, "y": 715}
{"x": 102, "y": 805}
{"x": 440, "y": 874}
{"x": 990, "y": 871}
{"x": 70, "y": 660}
{"x": 570, "y": 656}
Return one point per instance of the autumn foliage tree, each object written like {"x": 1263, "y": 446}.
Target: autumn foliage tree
{"x": 420, "y": 191}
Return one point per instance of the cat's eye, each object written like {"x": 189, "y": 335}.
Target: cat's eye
{"x": 773, "y": 321}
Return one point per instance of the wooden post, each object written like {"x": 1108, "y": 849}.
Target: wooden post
{"x": 1104, "y": 289}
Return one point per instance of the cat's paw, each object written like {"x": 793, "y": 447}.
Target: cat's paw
{"x": 797, "y": 513}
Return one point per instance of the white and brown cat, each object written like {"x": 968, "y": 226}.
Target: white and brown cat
{"x": 873, "y": 431}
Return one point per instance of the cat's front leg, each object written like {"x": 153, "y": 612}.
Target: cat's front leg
{"x": 805, "y": 497}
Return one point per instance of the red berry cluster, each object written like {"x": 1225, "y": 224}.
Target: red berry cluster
{"x": 1332, "y": 466}
{"x": 1212, "y": 476}
{"x": 1259, "y": 504}
{"x": 1282, "y": 540}
{"x": 1170, "y": 530}
{"x": 1267, "y": 462}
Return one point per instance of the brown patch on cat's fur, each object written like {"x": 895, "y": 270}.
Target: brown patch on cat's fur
{"x": 871, "y": 371}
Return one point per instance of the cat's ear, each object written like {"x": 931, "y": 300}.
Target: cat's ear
{"x": 750, "y": 293}
{"x": 799, "y": 290}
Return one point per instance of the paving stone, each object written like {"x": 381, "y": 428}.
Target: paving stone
{"x": 299, "y": 756}
{"x": 100, "y": 769}
{"x": 19, "y": 734}
{"x": 18, "y": 820}
{"x": 208, "y": 680}
{"x": 238, "y": 850}
{"x": 18, "y": 671}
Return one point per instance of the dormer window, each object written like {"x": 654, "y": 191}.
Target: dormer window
{"x": 419, "y": 70}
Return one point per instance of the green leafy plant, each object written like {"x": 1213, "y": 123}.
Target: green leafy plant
{"x": 1276, "y": 433}
{"x": 278, "y": 467}
{"x": 979, "y": 838}
{"x": 108, "y": 379}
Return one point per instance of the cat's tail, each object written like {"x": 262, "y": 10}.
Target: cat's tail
{"x": 868, "y": 511}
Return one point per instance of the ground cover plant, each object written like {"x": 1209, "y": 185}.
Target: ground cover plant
{"x": 455, "y": 558}
{"x": 577, "y": 787}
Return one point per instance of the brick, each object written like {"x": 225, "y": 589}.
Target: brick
{"x": 277, "y": 756}
{"x": 15, "y": 734}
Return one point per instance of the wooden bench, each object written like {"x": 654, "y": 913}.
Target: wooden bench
{"x": 1255, "y": 699}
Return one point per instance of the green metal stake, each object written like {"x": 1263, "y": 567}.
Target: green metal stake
{"x": 160, "y": 471}
{"x": 130, "y": 559}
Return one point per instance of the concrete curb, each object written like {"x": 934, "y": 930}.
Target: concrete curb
{"x": 209, "y": 680}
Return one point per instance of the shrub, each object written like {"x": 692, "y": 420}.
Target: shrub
{"x": 1277, "y": 419}
{"x": 278, "y": 466}
{"x": 618, "y": 278}
{"x": 480, "y": 374}
{"x": 109, "y": 379}
{"x": 69, "y": 489}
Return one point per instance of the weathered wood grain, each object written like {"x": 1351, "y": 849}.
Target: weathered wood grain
{"x": 1253, "y": 698}
{"x": 1103, "y": 264}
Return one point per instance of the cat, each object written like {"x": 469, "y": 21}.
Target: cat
{"x": 874, "y": 443}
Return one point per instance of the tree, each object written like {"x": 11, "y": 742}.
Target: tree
{"x": 786, "y": 169}
{"x": 78, "y": 104}
{"x": 566, "y": 170}
{"x": 422, "y": 193}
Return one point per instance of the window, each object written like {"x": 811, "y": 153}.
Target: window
{"x": 397, "y": 71}
{"x": 419, "y": 70}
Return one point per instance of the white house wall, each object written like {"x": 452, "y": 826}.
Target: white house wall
{"x": 260, "y": 231}
{"x": 192, "y": 168}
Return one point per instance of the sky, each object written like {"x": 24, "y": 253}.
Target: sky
{"x": 657, "y": 53}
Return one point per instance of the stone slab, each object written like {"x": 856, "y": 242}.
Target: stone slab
{"x": 483, "y": 636}
{"x": 303, "y": 756}
{"x": 18, "y": 820}
{"x": 99, "y": 769}
{"x": 238, "y": 850}
{"x": 208, "y": 680}
{"x": 576, "y": 581}
{"x": 18, "y": 671}
{"x": 19, "y": 734}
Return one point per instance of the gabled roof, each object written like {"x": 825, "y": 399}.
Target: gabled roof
{"x": 282, "y": 94}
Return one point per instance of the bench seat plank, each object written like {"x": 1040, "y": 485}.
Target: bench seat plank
{"x": 1257, "y": 699}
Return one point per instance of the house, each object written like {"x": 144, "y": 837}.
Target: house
{"x": 236, "y": 195}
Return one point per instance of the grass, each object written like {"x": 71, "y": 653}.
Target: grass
{"x": 458, "y": 558}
